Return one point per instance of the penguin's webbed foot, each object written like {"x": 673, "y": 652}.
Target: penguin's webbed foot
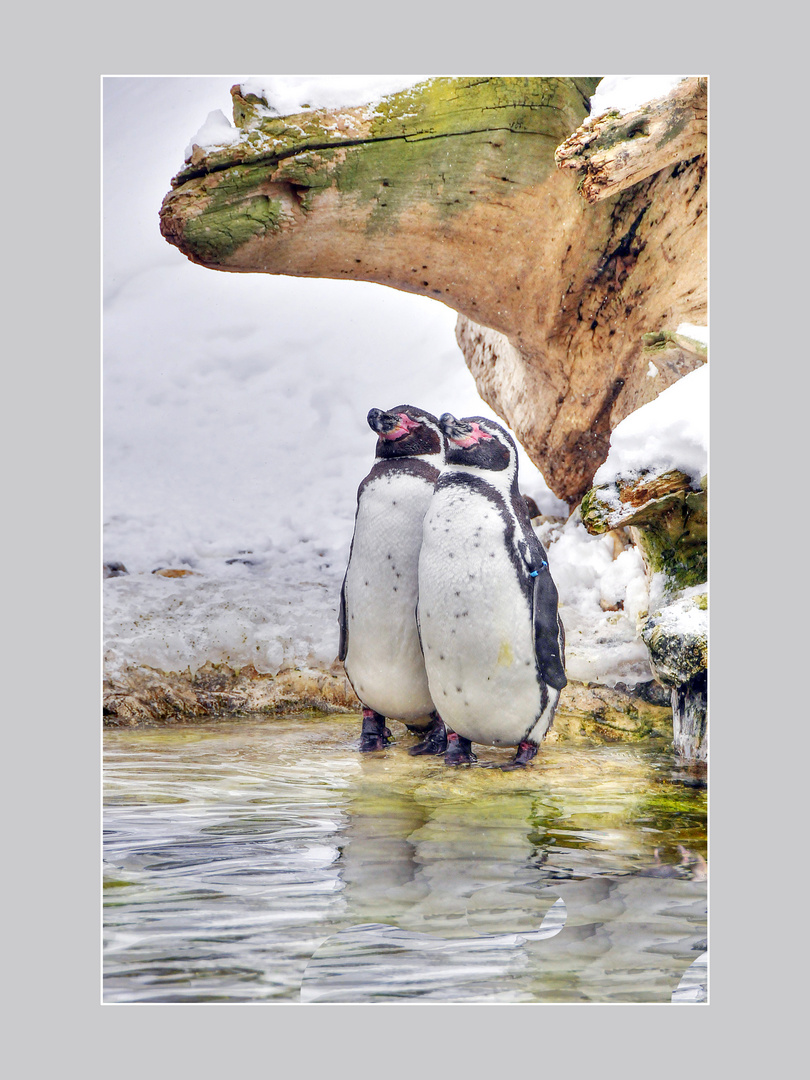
{"x": 525, "y": 752}
{"x": 435, "y": 741}
{"x": 459, "y": 750}
{"x": 375, "y": 735}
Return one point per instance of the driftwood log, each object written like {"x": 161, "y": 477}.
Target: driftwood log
{"x": 451, "y": 189}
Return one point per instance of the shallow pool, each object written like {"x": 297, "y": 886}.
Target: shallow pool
{"x": 265, "y": 860}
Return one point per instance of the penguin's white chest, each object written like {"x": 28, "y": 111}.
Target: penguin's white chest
{"x": 476, "y": 622}
{"x": 384, "y": 660}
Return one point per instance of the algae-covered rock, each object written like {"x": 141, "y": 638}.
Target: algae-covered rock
{"x": 664, "y": 505}
{"x": 677, "y": 636}
{"x": 667, "y": 519}
{"x": 667, "y": 513}
{"x": 142, "y": 696}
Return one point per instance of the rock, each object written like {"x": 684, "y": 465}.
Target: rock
{"x": 145, "y": 697}
{"x": 608, "y": 715}
{"x": 677, "y": 637}
{"x": 114, "y": 569}
{"x": 667, "y": 517}
{"x": 166, "y": 572}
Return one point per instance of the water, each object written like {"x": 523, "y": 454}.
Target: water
{"x": 266, "y": 860}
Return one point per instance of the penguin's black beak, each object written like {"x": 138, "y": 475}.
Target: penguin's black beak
{"x": 452, "y": 428}
{"x": 382, "y": 422}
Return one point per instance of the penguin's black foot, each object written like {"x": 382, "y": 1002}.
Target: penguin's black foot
{"x": 375, "y": 735}
{"x": 435, "y": 741}
{"x": 459, "y": 750}
{"x": 525, "y": 753}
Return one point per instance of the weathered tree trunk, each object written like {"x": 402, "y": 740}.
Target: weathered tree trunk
{"x": 450, "y": 189}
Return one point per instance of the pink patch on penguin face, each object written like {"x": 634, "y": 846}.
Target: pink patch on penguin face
{"x": 404, "y": 427}
{"x": 475, "y": 436}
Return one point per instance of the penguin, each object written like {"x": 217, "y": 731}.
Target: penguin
{"x": 492, "y": 637}
{"x": 379, "y": 641}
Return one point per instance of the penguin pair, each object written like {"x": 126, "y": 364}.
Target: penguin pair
{"x": 462, "y": 639}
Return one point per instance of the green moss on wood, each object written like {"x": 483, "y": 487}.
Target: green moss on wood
{"x": 220, "y": 213}
{"x": 445, "y": 143}
{"x": 217, "y": 233}
{"x": 660, "y": 340}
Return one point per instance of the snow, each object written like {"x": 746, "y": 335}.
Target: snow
{"x": 600, "y": 598}
{"x": 696, "y": 333}
{"x": 216, "y": 131}
{"x": 624, "y": 93}
{"x": 235, "y": 433}
{"x": 290, "y": 94}
{"x": 671, "y": 432}
{"x": 287, "y": 94}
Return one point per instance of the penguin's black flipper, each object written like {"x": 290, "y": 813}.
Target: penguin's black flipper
{"x": 549, "y": 635}
{"x": 343, "y": 647}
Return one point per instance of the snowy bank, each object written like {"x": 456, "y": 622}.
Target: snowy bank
{"x": 235, "y": 432}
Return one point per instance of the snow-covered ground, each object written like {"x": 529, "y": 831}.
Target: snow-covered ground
{"x": 671, "y": 432}
{"x": 235, "y": 432}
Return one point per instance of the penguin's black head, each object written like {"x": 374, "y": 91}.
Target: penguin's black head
{"x": 405, "y": 431}
{"x": 479, "y": 443}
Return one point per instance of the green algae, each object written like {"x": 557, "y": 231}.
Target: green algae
{"x": 674, "y": 541}
{"x": 231, "y": 212}
{"x": 658, "y": 341}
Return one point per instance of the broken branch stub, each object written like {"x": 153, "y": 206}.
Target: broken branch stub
{"x": 614, "y": 151}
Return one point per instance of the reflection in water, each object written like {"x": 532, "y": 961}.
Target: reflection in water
{"x": 261, "y": 860}
{"x": 692, "y": 987}
{"x": 376, "y": 962}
